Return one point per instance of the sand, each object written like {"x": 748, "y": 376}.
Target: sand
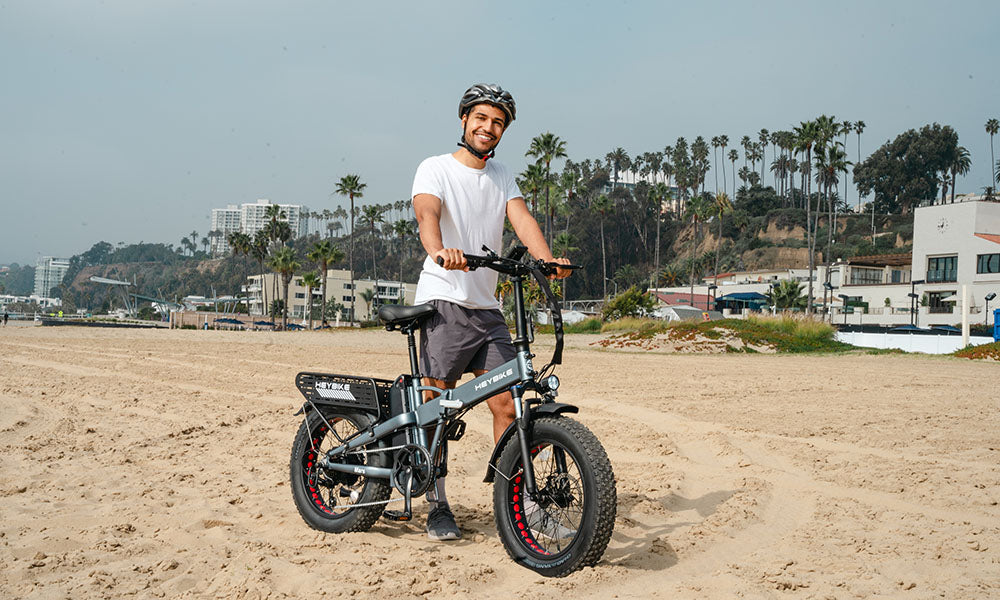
{"x": 155, "y": 464}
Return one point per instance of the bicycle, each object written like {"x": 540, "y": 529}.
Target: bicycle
{"x": 554, "y": 494}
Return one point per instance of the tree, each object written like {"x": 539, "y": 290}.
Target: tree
{"x": 992, "y": 127}
{"x": 352, "y": 187}
{"x": 960, "y": 166}
{"x": 283, "y": 261}
{"x": 259, "y": 252}
{"x": 324, "y": 253}
{"x": 531, "y": 180}
{"x": 733, "y": 155}
{"x": 788, "y": 294}
{"x": 602, "y": 205}
{"x": 698, "y": 210}
{"x": 905, "y": 171}
{"x": 241, "y": 243}
{"x": 547, "y": 147}
{"x": 311, "y": 281}
{"x": 372, "y": 215}
{"x": 404, "y": 229}
{"x": 617, "y": 160}
{"x": 630, "y": 303}
{"x": 722, "y": 206}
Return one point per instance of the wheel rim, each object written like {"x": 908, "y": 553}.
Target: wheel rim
{"x": 331, "y": 493}
{"x": 548, "y": 527}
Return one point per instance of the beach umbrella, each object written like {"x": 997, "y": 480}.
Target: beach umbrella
{"x": 271, "y": 323}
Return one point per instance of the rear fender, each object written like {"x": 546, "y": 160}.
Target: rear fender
{"x": 541, "y": 410}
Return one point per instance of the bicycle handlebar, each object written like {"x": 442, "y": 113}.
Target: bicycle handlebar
{"x": 511, "y": 264}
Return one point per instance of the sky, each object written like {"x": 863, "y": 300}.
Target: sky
{"x": 129, "y": 121}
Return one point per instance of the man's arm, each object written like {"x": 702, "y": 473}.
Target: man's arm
{"x": 428, "y": 211}
{"x": 527, "y": 230}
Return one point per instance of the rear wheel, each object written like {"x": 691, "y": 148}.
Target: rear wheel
{"x": 568, "y": 524}
{"x": 332, "y": 501}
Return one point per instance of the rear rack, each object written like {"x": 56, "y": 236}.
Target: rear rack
{"x": 348, "y": 391}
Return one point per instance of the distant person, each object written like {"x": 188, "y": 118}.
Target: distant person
{"x": 5, "y": 317}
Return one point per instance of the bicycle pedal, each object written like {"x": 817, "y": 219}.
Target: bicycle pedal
{"x": 455, "y": 431}
{"x": 397, "y": 515}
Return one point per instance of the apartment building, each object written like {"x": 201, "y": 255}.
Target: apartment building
{"x": 49, "y": 273}
{"x": 251, "y": 218}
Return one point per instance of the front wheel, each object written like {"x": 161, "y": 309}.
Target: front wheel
{"x": 568, "y": 524}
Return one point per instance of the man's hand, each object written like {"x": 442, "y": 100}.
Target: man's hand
{"x": 452, "y": 259}
{"x": 561, "y": 273}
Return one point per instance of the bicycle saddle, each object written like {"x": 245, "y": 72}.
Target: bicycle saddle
{"x": 398, "y": 314}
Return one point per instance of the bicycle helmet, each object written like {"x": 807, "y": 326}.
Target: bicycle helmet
{"x": 488, "y": 93}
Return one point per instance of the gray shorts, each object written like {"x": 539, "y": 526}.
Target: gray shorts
{"x": 460, "y": 340}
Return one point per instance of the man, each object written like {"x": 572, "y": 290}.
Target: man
{"x": 461, "y": 200}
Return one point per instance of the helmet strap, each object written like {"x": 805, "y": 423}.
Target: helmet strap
{"x": 483, "y": 157}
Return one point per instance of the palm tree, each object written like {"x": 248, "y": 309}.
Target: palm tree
{"x": 371, "y": 216}
{"x": 283, "y": 261}
{"x": 845, "y": 129}
{"x": 602, "y": 205}
{"x": 859, "y": 128}
{"x": 258, "y": 249}
{"x": 617, "y": 160}
{"x": 763, "y": 135}
{"x": 716, "y": 142}
{"x": 722, "y": 206}
{"x": 404, "y": 229}
{"x": 992, "y": 127}
{"x": 547, "y": 147}
{"x": 806, "y": 135}
{"x": 723, "y": 142}
{"x": 368, "y": 295}
{"x": 698, "y": 209}
{"x": 657, "y": 195}
{"x": 733, "y": 155}
{"x": 324, "y": 253}
{"x": 241, "y": 243}
{"x": 788, "y": 294}
{"x": 531, "y": 180}
{"x": 352, "y": 187}
{"x": 311, "y": 281}
{"x": 960, "y": 166}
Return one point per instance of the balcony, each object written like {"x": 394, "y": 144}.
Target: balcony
{"x": 942, "y": 276}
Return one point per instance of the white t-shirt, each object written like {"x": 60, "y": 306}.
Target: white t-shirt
{"x": 473, "y": 209}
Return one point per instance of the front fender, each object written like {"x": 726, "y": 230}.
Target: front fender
{"x": 547, "y": 408}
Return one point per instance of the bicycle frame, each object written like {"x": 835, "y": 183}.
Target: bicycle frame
{"x": 515, "y": 376}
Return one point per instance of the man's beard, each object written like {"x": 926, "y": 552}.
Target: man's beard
{"x": 470, "y": 139}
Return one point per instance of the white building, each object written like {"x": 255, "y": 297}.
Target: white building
{"x": 338, "y": 290}
{"x": 953, "y": 245}
{"x": 251, "y": 218}
{"x": 49, "y": 273}
{"x": 226, "y": 221}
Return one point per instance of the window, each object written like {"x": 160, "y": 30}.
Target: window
{"x": 345, "y": 298}
{"x": 900, "y": 276}
{"x": 943, "y": 268}
{"x": 988, "y": 263}
{"x": 865, "y": 276}
{"x": 941, "y": 302}
{"x": 347, "y": 286}
{"x": 300, "y": 295}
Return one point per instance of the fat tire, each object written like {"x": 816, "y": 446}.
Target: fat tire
{"x": 600, "y": 497}
{"x": 314, "y": 512}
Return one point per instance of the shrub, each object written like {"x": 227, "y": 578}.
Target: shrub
{"x": 630, "y": 303}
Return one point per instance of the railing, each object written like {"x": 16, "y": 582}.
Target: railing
{"x": 942, "y": 276}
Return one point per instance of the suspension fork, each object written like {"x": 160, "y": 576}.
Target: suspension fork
{"x": 523, "y": 420}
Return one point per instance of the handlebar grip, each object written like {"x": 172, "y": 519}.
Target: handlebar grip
{"x": 440, "y": 261}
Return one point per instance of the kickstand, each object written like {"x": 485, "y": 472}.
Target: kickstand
{"x": 407, "y": 513}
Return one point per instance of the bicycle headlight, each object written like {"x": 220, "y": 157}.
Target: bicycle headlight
{"x": 552, "y": 382}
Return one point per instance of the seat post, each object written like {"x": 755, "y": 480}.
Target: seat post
{"x": 412, "y": 344}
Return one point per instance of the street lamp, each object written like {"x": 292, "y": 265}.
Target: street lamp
{"x": 614, "y": 282}
{"x": 913, "y": 297}
{"x": 989, "y": 297}
{"x": 711, "y": 288}
{"x": 844, "y": 298}
{"x": 827, "y": 287}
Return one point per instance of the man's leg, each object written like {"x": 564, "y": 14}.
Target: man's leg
{"x": 440, "y": 520}
{"x": 502, "y": 407}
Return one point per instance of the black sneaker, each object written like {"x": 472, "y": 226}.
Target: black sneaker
{"x": 441, "y": 524}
